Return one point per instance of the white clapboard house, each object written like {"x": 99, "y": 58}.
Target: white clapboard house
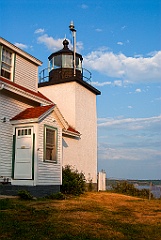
{"x": 46, "y": 121}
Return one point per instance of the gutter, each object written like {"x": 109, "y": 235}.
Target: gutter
{"x": 69, "y": 133}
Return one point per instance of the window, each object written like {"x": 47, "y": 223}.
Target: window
{"x": 7, "y": 64}
{"x": 22, "y": 132}
{"x": 50, "y": 153}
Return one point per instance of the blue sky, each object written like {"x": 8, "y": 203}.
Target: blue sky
{"x": 120, "y": 41}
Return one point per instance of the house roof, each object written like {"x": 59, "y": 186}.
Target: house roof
{"x": 18, "y": 89}
{"x": 33, "y": 112}
{"x": 20, "y": 51}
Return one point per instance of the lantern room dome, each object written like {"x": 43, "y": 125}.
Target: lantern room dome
{"x": 65, "y": 50}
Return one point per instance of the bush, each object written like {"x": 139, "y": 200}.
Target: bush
{"x": 73, "y": 182}
{"x": 57, "y": 196}
{"x": 25, "y": 195}
{"x": 129, "y": 189}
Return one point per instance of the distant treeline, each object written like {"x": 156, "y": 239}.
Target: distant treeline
{"x": 111, "y": 182}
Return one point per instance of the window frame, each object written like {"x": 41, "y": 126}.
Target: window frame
{"x": 10, "y": 65}
{"x": 55, "y": 144}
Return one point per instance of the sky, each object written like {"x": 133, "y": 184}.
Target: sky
{"x": 120, "y": 41}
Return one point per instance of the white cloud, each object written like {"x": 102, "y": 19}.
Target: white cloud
{"x": 100, "y": 84}
{"x": 123, "y": 27}
{"x": 138, "y": 56}
{"x": 79, "y": 46}
{"x": 131, "y": 154}
{"x": 151, "y": 54}
{"x": 138, "y": 90}
{"x": 98, "y": 30}
{"x": 158, "y": 99}
{"x": 120, "y": 43}
{"x": 40, "y": 30}
{"x": 135, "y": 139}
{"x": 129, "y": 69}
{"x": 131, "y": 123}
{"x": 84, "y": 6}
{"x": 118, "y": 83}
{"x": 56, "y": 44}
{"x": 51, "y": 43}
{"x": 21, "y": 45}
{"x": 130, "y": 107}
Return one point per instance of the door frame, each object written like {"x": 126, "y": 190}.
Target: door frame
{"x": 14, "y": 152}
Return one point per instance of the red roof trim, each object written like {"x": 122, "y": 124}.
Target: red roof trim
{"x": 70, "y": 129}
{"x": 34, "y": 112}
{"x": 37, "y": 94}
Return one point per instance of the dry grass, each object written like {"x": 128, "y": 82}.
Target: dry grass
{"x": 91, "y": 216}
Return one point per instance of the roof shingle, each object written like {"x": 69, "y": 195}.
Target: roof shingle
{"x": 33, "y": 112}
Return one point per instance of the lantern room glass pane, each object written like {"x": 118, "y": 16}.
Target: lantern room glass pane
{"x": 67, "y": 61}
{"x": 78, "y": 64}
{"x": 57, "y": 61}
{"x": 64, "y": 61}
{"x": 51, "y": 64}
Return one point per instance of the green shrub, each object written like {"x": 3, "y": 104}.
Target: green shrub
{"x": 25, "y": 195}
{"x": 58, "y": 196}
{"x": 129, "y": 189}
{"x": 73, "y": 182}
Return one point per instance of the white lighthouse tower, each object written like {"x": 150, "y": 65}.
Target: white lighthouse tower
{"x": 76, "y": 99}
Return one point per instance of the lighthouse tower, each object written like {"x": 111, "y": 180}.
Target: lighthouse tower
{"x": 76, "y": 99}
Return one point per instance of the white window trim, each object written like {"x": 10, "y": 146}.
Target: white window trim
{"x": 11, "y": 71}
{"x": 56, "y": 143}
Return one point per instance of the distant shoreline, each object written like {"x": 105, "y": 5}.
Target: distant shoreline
{"x": 153, "y": 185}
{"x": 134, "y": 181}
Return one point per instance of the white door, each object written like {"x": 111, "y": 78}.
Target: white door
{"x": 23, "y": 153}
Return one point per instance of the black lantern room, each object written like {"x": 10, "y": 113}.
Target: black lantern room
{"x": 61, "y": 64}
{"x": 65, "y": 66}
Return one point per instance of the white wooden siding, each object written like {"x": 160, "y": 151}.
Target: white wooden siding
{"x": 49, "y": 173}
{"x": 26, "y": 73}
{"x": 9, "y": 107}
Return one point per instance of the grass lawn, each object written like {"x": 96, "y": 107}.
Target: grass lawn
{"x": 91, "y": 216}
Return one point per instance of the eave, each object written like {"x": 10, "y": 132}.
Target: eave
{"x": 24, "y": 92}
{"x": 19, "y": 51}
{"x": 68, "y": 133}
{"x": 71, "y": 79}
